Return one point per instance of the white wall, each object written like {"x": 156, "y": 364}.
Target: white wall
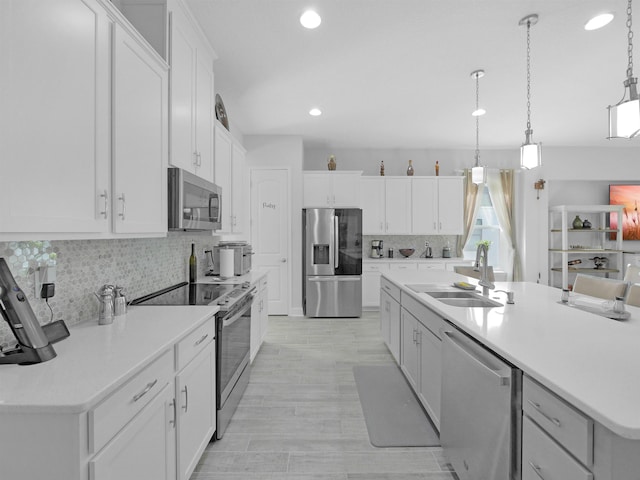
{"x": 284, "y": 152}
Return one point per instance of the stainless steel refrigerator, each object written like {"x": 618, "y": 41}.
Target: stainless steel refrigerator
{"x": 332, "y": 262}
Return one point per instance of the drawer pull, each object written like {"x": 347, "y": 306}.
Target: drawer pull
{"x": 536, "y": 469}
{"x": 202, "y": 339}
{"x": 537, "y": 406}
{"x": 149, "y": 386}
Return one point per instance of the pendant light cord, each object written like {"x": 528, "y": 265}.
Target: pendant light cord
{"x": 528, "y": 75}
{"x": 630, "y": 44}
{"x": 477, "y": 120}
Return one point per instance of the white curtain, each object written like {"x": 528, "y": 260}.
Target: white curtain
{"x": 500, "y": 185}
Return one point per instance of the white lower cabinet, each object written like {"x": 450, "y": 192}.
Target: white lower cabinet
{"x": 196, "y": 410}
{"x": 371, "y": 283}
{"x": 544, "y": 458}
{"x": 390, "y": 317}
{"x": 421, "y": 347}
{"x": 259, "y": 316}
{"x": 145, "y": 448}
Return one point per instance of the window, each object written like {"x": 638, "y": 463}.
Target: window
{"x": 486, "y": 228}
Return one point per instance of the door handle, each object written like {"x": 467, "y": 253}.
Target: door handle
{"x": 186, "y": 399}
{"x": 105, "y": 211}
{"x": 124, "y": 207}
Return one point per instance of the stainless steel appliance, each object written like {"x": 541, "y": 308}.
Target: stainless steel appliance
{"x": 34, "y": 341}
{"x": 377, "y": 249}
{"x": 233, "y": 336}
{"x": 332, "y": 262}
{"x": 242, "y": 253}
{"x": 194, "y": 203}
{"x": 480, "y": 417}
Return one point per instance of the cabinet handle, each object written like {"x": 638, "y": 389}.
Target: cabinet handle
{"x": 536, "y": 469}
{"x": 149, "y": 386}
{"x": 199, "y": 156}
{"x": 172, "y": 422}
{"x": 105, "y": 211}
{"x": 195, "y": 159}
{"x": 418, "y": 337}
{"x": 124, "y": 207}
{"x": 440, "y": 224}
{"x": 414, "y": 336}
{"x": 537, "y": 406}
{"x": 202, "y": 339}
{"x": 185, "y": 407}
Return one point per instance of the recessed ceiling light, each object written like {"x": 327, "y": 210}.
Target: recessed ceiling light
{"x": 315, "y": 112}
{"x": 310, "y": 19}
{"x": 599, "y": 21}
{"x": 479, "y": 112}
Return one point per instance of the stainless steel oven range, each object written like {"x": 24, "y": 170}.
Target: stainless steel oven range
{"x": 233, "y": 336}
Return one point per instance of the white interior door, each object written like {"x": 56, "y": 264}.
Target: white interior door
{"x": 270, "y": 233}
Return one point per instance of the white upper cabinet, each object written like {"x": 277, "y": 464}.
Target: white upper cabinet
{"x": 229, "y": 174}
{"x": 192, "y": 94}
{"x": 386, "y": 205}
{"x": 398, "y": 205}
{"x": 437, "y": 205}
{"x": 54, "y": 117}
{"x": 331, "y": 189}
{"x": 373, "y": 204}
{"x": 140, "y": 119}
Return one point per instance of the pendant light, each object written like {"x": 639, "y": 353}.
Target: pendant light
{"x": 530, "y": 152}
{"x": 624, "y": 117}
{"x": 478, "y": 172}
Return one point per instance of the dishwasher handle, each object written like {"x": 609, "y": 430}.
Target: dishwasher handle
{"x": 476, "y": 355}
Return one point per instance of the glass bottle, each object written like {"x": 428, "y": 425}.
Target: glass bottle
{"x": 382, "y": 169}
{"x": 193, "y": 264}
{"x": 437, "y": 168}
{"x": 410, "y": 169}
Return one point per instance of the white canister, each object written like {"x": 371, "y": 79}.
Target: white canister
{"x": 226, "y": 262}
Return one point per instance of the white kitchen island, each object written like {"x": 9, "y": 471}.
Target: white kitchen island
{"x": 585, "y": 364}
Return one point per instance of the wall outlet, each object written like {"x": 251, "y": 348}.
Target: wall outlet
{"x": 44, "y": 274}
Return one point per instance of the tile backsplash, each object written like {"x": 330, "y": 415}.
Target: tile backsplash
{"x": 140, "y": 265}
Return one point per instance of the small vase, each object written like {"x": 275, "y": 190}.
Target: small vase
{"x": 331, "y": 164}
{"x": 410, "y": 169}
{"x": 586, "y": 224}
{"x": 577, "y": 223}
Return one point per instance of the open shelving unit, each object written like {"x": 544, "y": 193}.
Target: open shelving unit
{"x": 571, "y": 244}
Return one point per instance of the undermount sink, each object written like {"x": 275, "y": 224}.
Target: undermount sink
{"x": 455, "y": 298}
{"x": 476, "y": 301}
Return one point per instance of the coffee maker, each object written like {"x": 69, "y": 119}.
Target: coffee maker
{"x": 377, "y": 249}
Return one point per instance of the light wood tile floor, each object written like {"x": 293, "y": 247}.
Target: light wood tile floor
{"x": 300, "y": 417}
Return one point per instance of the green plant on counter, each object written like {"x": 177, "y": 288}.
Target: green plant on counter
{"x": 486, "y": 243}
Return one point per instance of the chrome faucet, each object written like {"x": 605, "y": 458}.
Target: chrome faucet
{"x": 485, "y": 283}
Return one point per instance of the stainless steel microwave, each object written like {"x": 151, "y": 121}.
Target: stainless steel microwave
{"x": 194, "y": 203}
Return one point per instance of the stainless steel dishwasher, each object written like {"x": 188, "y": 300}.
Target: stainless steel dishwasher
{"x": 480, "y": 418}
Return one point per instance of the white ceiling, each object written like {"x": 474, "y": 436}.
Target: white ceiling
{"x": 396, "y": 73}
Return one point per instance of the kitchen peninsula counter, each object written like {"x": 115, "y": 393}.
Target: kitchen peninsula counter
{"x": 588, "y": 360}
{"x": 96, "y": 359}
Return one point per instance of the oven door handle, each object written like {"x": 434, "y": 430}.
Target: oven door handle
{"x": 237, "y": 313}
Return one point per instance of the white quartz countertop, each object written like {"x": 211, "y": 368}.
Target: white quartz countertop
{"x": 591, "y": 361}
{"x": 95, "y": 359}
